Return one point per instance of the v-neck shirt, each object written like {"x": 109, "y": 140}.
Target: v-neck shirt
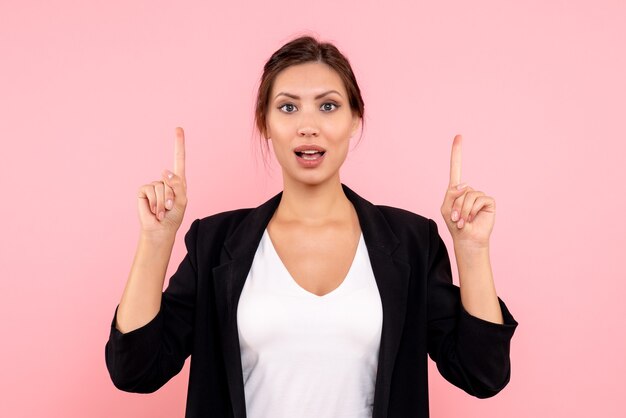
{"x": 305, "y": 355}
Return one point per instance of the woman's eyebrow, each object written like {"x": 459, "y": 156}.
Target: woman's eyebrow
{"x": 293, "y": 96}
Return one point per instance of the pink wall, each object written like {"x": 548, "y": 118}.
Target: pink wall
{"x": 90, "y": 96}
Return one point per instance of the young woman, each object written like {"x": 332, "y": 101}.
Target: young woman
{"x": 316, "y": 303}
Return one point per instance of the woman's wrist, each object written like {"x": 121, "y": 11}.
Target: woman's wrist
{"x": 158, "y": 239}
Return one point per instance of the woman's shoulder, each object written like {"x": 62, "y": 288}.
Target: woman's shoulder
{"x": 400, "y": 217}
{"x": 408, "y": 225}
{"x": 208, "y": 233}
{"x": 225, "y": 220}
{"x": 225, "y": 216}
{"x": 414, "y": 232}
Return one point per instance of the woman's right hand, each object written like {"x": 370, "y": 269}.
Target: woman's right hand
{"x": 162, "y": 203}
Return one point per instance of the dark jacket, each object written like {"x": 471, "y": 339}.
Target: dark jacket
{"x": 422, "y": 314}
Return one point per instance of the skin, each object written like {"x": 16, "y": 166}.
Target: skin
{"x": 314, "y": 219}
{"x": 470, "y": 216}
{"x": 159, "y": 221}
{"x": 310, "y": 195}
{"x": 313, "y": 205}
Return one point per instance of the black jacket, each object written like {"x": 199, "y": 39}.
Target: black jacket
{"x": 422, "y": 314}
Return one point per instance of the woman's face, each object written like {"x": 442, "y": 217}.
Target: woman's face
{"x": 308, "y": 105}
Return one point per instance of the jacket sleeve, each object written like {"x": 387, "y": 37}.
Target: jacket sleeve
{"x": 144, "y": 359}
{"x": 470, "y": 352}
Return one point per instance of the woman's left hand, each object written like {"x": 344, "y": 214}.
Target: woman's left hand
{"x": 469, "y": 214}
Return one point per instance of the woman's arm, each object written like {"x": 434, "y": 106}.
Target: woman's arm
{"x": 470, "y": 216}
{"x": 144, "y": 358}
{"x": 150, "y": 334}
{"x": 471, "y": 342}
{"x": 470, "y": 352}
{"x": 478, "y": 291}
{"x": 141, "y": 299}
{"x": 161, "y": 206}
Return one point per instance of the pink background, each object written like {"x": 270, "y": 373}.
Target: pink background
{"x": 90, "y": 96}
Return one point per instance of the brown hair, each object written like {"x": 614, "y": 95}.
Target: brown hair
{"x": 298, "y": 51}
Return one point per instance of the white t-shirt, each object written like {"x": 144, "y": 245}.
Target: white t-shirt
{"x": 303, "y": 355}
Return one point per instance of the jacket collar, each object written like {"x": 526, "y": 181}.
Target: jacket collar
{"x": 376, "y": 233}
{"x": 392, "y": 278}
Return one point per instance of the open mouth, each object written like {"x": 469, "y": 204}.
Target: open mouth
{"x": 310, "y": 155}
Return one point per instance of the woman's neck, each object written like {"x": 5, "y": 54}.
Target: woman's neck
{"x": 313, "y": 205}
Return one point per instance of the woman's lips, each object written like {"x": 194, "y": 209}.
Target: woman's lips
{"x": 310, "y": 160}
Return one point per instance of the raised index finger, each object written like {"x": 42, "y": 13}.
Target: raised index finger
{"x": 179, "y": 153}
{"x": 455, "y": 161}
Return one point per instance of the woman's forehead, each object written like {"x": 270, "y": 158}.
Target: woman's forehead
{"x": 307, "y": 80}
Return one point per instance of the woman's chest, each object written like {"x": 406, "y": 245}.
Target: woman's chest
{"x": 274, "y": 308}
{"x": 316, "y": 260}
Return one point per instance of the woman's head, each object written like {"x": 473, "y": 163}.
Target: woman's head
{"x": 306, "y": 68}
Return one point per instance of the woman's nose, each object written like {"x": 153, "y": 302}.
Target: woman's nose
{"x": 307, "y": 130}
{"x": 307, "y": 126}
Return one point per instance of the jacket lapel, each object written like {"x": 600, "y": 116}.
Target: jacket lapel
{"x": 392, "y": 278}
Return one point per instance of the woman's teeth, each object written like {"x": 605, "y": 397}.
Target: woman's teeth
{"x": 310, "y": 155}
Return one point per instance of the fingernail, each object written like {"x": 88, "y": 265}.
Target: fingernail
{"x": 461, "y": 186}
{"x": 170, "y": 175}
{"x": 461, "y": 223}
{"x": 161, "y": 215}
{"x": 168, "y": 203}
{"x": 455, "y": 215}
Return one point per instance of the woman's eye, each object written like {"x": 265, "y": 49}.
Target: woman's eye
{"x": 290, "y": 107}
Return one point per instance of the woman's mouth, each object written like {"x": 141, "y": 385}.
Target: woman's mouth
{"x": 310, "y": 159}
{"x": 310, "y": 155}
